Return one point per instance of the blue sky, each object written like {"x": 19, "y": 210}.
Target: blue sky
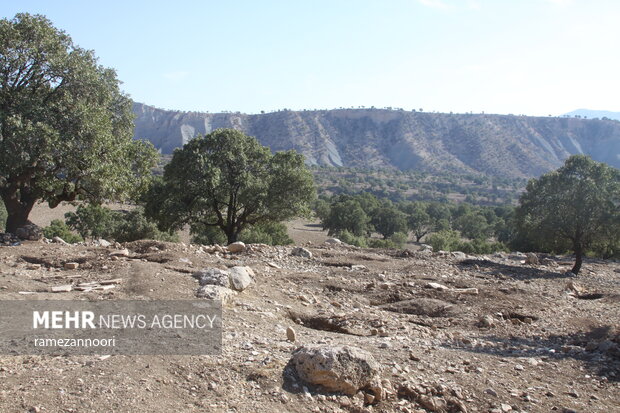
{"x": 533, "y": 57}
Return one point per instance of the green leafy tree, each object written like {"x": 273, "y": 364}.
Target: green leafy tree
{"x": 473, "y": 226}
{"x": 388, "y": 220}
{"x": 418, "y": 220}
{"x": 65, "y": 127}
{"x": 347, "y": 215}
{"x": 229, "y": 180}
{"x": 270, "y": 233}
{"x": 575, "y": 207}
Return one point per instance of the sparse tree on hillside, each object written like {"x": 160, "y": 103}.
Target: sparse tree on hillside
{"x": 229, "y": 180}
{"x": 418, "y": 220}
{"x": 65, "y": 127}
{"x": 573, "y": 207}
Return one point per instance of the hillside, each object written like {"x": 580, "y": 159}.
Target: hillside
{"x": 495, "y": 145}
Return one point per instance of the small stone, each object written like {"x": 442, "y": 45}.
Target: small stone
{"x": 290, "y": 334}
{"x": 71, "y": 265}
{"x": 62, "y": 288}
{"x": 120, "y": 253}
{"x": 436, "y": 286}
{"x": 369, "y": 398}
{"x": 334, "y": 241}
{"x": 486, "y": 321}
{"x": 491, "y": 392}
{"x": 506, "y": 407}
{"x": 519, "y": 367}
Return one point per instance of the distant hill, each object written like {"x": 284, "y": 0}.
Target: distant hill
{"x": 592, "y": 114}
{"x": 494, "y": 145}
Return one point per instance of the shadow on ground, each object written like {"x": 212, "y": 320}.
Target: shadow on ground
{"x": 598, "y": 349}
{"x": 518, "y": 272}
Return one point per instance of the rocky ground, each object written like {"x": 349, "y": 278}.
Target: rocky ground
{"x": 438, "y": 332}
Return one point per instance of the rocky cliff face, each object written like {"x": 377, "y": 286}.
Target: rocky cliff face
{"x": 498, "y": 145}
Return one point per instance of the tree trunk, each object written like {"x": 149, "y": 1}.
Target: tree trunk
{"x": 232, "y": 236}
{"x": 17, "y": 210}
{"x": 578, "y": 260}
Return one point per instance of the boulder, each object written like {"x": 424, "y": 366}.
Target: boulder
{"x": 213, "y": 276}
{"x": 59, "y": 240}
{"x": 103, "y": 243}
{"x": 338, "y": 369}
{"x": 531, "y": 259}
{"x": 334, "y": 241}
{"x": 240, "y": 277}
{"x": 236, "y": 247}
{"x": 30, "y": 232}
{"x": 458, "y": 255}
{"x": 215, "y": 292}
{"x": 301, "y": 252}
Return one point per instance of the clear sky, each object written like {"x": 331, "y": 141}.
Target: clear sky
{"x": 533, "y": 57}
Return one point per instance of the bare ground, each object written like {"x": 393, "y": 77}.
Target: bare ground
{"x": 552, "y": 345}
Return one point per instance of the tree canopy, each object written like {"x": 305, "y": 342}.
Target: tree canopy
{"x": 227, "y": 179}
{"x": 574, "y": 207}
{"x": 66, "y": 129}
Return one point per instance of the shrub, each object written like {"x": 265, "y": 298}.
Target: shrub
{"x": 133, "y": 225}
{"x": 348, "y": 238}
{"x": 399, "y": 239}
{"x": 58, "y": 228}
{"x": 93, "y": 221}
{"x": 96, "y": 221}
{"x": 381, "y": 243}
{"x": 445, "y": 240}
{"x": 480, "y": 246}
{"x": 271, "y": 233}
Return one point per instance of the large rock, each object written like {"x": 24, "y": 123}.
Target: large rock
{"x": 301, "y": 252}
{"x": 339, "y": 369}
{"x": 531, "y": 259}
{"x": 215, "y": 292}
{"x": 240, "y": 277}
{"x": 213, "y": 276}
{"x": 30, "y": 232}
{"x": 236, "y": 247}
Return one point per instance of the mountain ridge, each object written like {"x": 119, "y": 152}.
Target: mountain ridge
{"x": 495, "y": 145}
